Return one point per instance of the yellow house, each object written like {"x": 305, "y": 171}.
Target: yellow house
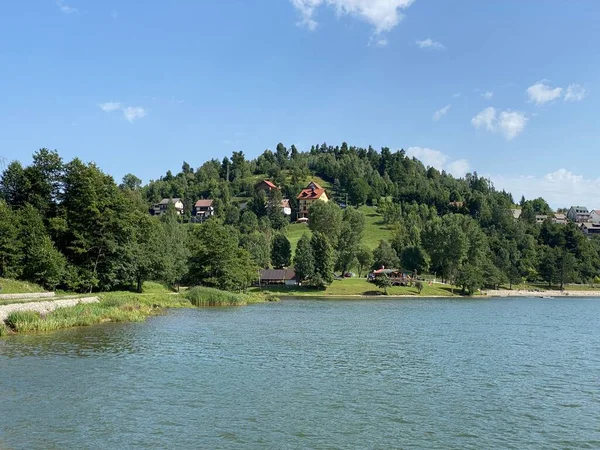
{"x": 312, "y": 193}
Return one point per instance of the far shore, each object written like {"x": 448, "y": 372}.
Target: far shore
{"x": 484, "y": 294}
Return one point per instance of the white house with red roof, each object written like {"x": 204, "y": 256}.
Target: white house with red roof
{"x": 595, "y": 216}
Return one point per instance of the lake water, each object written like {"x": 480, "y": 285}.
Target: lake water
{"x": 464, "y": 374}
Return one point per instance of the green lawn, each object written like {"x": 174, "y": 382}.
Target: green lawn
{"x": 360, "y": 286}
{"x": 375, "y": 229}
{"x": 18, "y": 287}
{"x": 294, "y": 232}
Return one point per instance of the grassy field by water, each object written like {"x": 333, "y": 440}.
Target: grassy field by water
{"x": 360, "y": 287}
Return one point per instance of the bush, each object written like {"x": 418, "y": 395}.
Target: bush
{"x": 204, "y": 296}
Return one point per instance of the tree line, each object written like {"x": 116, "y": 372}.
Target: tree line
{"x": 70, "y": 225}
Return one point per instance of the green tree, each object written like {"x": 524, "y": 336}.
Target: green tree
{"x": 415, "y": 259}
{"x": 385, "y": 256}
{"x": 275, "y": 211}
{"x": 326, "y": 218}
{"x": 216, "y": 261}
{"x": 10, "y": 245}
{"x": 364, "y": 257}
{"x": 281, "y": 252}
{"x": 258, "y": 247}
{"x": 42, "y": 262}
{"x": 248, "y": 222}
{"x": 176, "y": 254}
{"x": 323, "y": 256}
{"x": 383, "y": 282}
{"x": 358, "y": 191}
{"x": 419, "y": 286}
{"x": 304, "y": 261}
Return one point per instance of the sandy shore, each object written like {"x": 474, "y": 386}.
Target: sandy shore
{"x": 43, "y": 307}
{"x": 531, "y": 293}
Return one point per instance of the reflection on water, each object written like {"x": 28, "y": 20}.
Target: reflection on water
{"x": 503, "y": 373}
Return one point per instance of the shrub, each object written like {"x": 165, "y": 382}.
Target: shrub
{"x": 204, "y": 296}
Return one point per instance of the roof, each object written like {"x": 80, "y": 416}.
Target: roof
{"x": 311, "y": 194}
{"x": 580, "y": 209}
{"x": 166, "y": 201}
{"x": 315, "y": 184}
{"x": 277, "y": 274}
{"x": 268, "y": 183}
{"x": 203, "y": 203}
{"x": 560, "y": 216}
{"x": 590, "y": 225}
{"x": 597, "y": 211}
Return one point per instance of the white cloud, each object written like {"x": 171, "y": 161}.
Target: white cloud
{"x": 458, "y": 168}
{"x": 434, "y": 158}
{"x": 110, "y": 106}
{"x": 428, "y": 43}
{"x": 456, "y": 94}
{"x": 509, "y": 123}
{"x": 487, "y": 95}
{"x": 65, "y": 8}
{"x": 384, "y": 15}
{"x": 441, "y": 112}
{"x": 560, "y": 189}
{"x": 575, "y": 93}
{"x": 540, "y": 93}
{"x": 486, "y": 118}
{"x": 512, "y": 123}
{"x": 132, "y": 113}
{"x": 382, "y": 42}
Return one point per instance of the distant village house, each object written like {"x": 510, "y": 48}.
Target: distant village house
{"x": 312, "y": 193}
{"x": 578, "y": 214}
{"x": 266, "y": 186}
{"x": 590, "y": 229}
{"x": 161, "y": 207}
{"x": 595, "y": 216}
{"x": 560, "y": 219}
{"x": 203, "y": 209}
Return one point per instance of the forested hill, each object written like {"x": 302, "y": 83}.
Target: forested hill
{"x": 68, "y": 224}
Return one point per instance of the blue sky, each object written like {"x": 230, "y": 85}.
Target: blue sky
{"x": 506, "y": 88}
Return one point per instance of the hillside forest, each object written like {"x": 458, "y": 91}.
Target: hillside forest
{"x": 68, "y": 225}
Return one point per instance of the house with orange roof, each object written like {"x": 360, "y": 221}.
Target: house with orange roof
{"x": 312, "y": 193}
{"x": 266, "y": 185}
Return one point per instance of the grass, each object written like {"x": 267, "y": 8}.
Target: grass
{"x": 375, "y": 230}
{"x": 205, "y": 296}
{"x": 10, "y": 286}
{"x": 113, "y": 307}
{"x": 359, "y": 287}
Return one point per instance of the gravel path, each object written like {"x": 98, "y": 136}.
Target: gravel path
{"x": 43, "y": 307}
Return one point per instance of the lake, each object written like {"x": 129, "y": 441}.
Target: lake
{"x": 377, "y": 374}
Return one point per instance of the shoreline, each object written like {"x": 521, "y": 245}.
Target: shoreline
{"x": 484, "y": 294}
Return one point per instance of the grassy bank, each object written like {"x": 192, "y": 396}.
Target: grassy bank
{"x": 113, "y": 307}
{"x": 360, "y": 286}
{"x": 125, "y": 307}
{"x": 10, "y": 286}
